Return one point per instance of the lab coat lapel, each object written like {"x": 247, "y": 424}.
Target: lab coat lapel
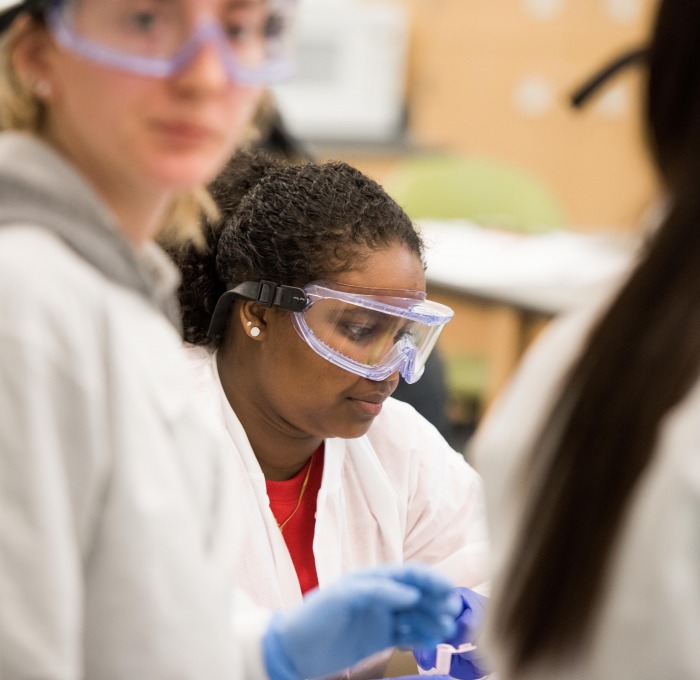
{"x": 264, "y": 557}
{"x": 356, "y": 494}
{"x": 330, "y": 514}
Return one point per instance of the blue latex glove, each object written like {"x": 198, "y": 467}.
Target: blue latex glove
{"x": 467, "y": 665}
{"x": 360, "y": 614}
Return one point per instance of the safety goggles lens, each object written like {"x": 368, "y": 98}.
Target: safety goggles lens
{"x": 363, "y": 335}
{"x": 369, "y": 341}
{"x": 156, "y": 37}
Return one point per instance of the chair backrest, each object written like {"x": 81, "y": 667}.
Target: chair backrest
{"x": 487, "y": 191}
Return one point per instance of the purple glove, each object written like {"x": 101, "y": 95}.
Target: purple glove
{"x": 467, "y": 665}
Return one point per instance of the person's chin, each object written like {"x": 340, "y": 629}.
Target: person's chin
{"x": 179, "y": 174}
{"x": 355, "y": 430}
{"x": 188, "y": 166}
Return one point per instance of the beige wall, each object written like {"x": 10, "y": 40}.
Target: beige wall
{"x": 492, "y": 77}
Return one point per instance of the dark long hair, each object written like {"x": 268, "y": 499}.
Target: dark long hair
{"x": 640, "y": 361}
{"x": 287, "y": 223}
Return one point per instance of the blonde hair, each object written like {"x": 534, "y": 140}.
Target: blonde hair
{"x": 183, "y": 223}
{"x": 22, "y": 110}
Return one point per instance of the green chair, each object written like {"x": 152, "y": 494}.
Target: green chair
{"x": 488, "y": 192}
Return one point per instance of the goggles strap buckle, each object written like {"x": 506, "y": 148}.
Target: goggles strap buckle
{"x": 265, "y": 292}
{"x": 271, "y": 295}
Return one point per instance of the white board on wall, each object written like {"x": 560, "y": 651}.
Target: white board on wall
{"x": 350, "y": 75}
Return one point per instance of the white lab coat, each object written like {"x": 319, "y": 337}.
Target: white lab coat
{"x": 117, "y": 527}
{"x": 398, "y": 493}
{"x": 649, "y": 626}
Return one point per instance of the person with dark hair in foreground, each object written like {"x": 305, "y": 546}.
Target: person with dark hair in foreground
{"x": 591, "y": 458}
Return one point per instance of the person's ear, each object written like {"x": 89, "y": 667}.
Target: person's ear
{"x": 253, "y": 318}
{"x": 31, "y": 61}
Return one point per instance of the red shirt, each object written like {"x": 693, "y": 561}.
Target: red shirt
{"x": 299, "y": 525}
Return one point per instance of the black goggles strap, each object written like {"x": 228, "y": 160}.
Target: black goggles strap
{"x": 628, "y": 58}
{"x": 265, "y": 292}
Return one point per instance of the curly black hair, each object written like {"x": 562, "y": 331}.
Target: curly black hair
{"x": 287, "y": 223}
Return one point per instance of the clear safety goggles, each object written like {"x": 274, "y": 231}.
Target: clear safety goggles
{"x": 371, "y": 333}
{"x": 254, "y": 38}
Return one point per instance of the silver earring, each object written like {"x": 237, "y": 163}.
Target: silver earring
{"x": 254, "y": 331}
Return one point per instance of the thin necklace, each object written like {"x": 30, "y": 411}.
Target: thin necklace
{"x": 301, "y": 495}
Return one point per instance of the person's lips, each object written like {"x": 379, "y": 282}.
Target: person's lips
{"x": 371, "y": 404}
{"x": 184, "y": 133}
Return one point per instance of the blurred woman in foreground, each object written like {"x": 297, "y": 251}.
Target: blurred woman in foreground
{"x": 591, "y": 459}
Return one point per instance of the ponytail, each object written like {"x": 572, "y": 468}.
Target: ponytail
{"x": 640, "y": 361}
{"x": 202, "y": 283}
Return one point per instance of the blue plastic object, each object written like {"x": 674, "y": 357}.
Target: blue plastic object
{"x": 465, "y": 665}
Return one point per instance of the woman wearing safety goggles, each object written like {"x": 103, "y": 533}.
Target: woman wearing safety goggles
{"x": 306, "y": 308}
{"x": 118, "y": 517}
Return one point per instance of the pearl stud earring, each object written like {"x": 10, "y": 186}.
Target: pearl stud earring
{"x": 42, "y": 88}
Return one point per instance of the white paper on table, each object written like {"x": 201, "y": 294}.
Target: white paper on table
{"x": 549, "y": 272}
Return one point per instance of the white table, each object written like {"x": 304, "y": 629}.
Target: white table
{"x": 545, "y": 273}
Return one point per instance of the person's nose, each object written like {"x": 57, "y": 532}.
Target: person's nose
{"x": 206, "y": 70}
{"x": 393, "y": 381}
